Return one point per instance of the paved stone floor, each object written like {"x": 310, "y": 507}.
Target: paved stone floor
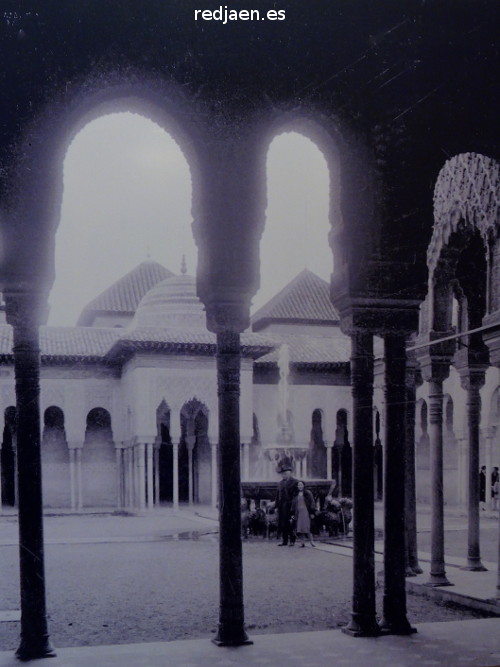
{"x": 453, "y": 644}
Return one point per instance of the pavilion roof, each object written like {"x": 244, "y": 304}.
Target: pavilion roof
{"x": 305, "y": 300}
{"x": 124, "y": 295}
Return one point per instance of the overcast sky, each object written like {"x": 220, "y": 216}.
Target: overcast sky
{"x": 127, "y": 194}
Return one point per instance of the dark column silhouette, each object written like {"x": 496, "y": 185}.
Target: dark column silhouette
{"x": 394, "y": 619}
{"x": 363, "y": 621}
{"x": 231, "y": 630}
{"x": 21, "y": 313}
{"x": 411, "y": 549}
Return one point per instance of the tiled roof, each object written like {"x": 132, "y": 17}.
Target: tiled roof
{"x": 124, "y": 295}
{"x": 305, "y": 299}
{"x": 304, "y": 349}
{"x": 163, "y": 339}
{"x": 71, "y": 342}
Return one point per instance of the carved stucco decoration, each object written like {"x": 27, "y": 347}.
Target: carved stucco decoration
{"x": 467, "y": 192}
{"x": 178, "y": 390}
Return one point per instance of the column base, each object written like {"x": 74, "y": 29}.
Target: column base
{"x": 35, "y": 649}
{"x": 399, "y": 627}
{"x": 474, "y": 566}
{"x": 231, "y": 637}
{"x": 438, "y": 580}
{"x": 360, "y": 626}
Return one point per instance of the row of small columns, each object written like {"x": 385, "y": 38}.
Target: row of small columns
{"x": 138, "y": 467}
{"x": 435, "y": 360}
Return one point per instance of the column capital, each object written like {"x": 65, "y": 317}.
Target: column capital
{"x": 228, "y": 314}
{"x": 25, "y": 306}
{"x": 472, "y": 377}
{"x": 435, "y": 358}
{"x": 72, "y": 444}
{"x": 491, "y": 337}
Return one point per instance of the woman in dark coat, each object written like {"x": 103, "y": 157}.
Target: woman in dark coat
{"x": 303, "y": 507}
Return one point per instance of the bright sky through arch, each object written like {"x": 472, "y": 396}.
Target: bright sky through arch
{"x": 127, "y": 194}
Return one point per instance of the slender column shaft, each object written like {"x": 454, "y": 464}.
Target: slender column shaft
{"x": 175, "y": 474}
{"x": 79, "y": 479}
{"x": 137, "y": 487}
{"x": 363, "y": 622}
{"x": 0, "y": 477}
{"x": 149, "y": 468}
{"x": 473, "y": 417}
{"x": 462, "y": 472}
{"x": 141, "y": 470}
{"x": 328, "y": 461}
{"x": 394, "y": 620}
{"x": 214, "y": 474}
{"x": 438, "y": 572}
{"x": 130, "y": 478}
{"x": 157, "y": 474}
{"x": 489, "y": 467}
{"x": 72, "y": 477}
{"x": 190, "y": 476}
{"x": 118, "y": 465}
{"x": 34, "y": 631}
{"x": 411, "y": 549}
{"x": 231, "y": 613}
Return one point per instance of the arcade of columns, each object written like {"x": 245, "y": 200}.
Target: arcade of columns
{"x": 136, "y": 464}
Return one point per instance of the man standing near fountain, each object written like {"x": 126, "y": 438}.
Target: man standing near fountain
{"x": 286, "y": 491}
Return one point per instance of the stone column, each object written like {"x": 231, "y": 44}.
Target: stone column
{"x": 149, "y": 468}
{"x": 213, "y": 451}
{"x": 231, "y": 631}
{"x": 79, "y": 478}
{"x": 329, "y": 447}
{"x": 131, "y": 476}
{"x": 119, "y": 477}
{"x": 411, "y": 550}
{"x": 462, "y": 494}
{"x": 363, "y": 622}
{"x": 489, "y": 466}
{"x": 141, "y": 474}
{"x": 21, "y": 314}
{"x": 394, "y": 619}
{"x": 438, "y": 572}
{"x": 72, "y": 477}
{"x": 175, "y": 475}
{"x": 190, "y": 442}
{"x": 472, "y": 380}
{"x": 157, "y": 473}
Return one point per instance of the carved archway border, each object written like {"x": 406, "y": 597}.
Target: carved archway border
{"x": 467, "y": 193}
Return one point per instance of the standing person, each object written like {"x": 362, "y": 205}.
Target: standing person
{"x": 495, "y": 483}
{"x": 303, "y": 507}
{"x": 284, "y": 496}
{"x": 482, "y": 487}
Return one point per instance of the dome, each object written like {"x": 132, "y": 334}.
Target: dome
{"x": 171, "y": 303}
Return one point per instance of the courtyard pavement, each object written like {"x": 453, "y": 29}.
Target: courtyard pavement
{"x": 468, "y": 642}
{"x": 453, "y": 644}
